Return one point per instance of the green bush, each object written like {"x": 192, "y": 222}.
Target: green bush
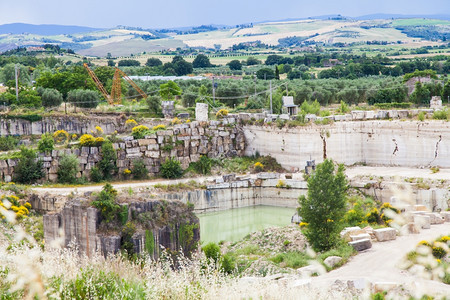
{"x": 139, "y": 170}
{"x": 393, "y": 105}
{"x": 8, "y": 143}
{"x": 68, "y": 169}
{"x": 154, "y": 105}
{"x": 28, "y": 169}
{"x": 46, "y": 143}
{"x": 441, "y": 114}
{"x": 96, "y": 175}
{"x": 106, "y": 203}
{"x": 421, "y": 116}
{"x": 83, "y": 98}
{"x": 107, "y": 165}
{"x": 310, "y": 107}
{"x": 203, "y": 165}
{"x": 228, "y": 263}
{"x": 212, "y": 251}
{"x": 51, "y": 98}
{"x": 292, "y": 259}
{"x": 171, "y": 168}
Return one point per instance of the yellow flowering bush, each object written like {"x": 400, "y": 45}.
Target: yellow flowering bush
{"x": 98, "y": 141}
{"x": 13, "y": 204}
{"x": 98, "y": 130}
{"x": 159, "y": 127}
{"x": 74, "y": 137}
{"x": 131, "y": 123}
{"x": 424, "y": 243}
{"x": 61, "y": 136}
{"x": 127, "y": 172}
{"x": 222, "y": 113}
{"x": 87, "y": 140}
{"x": 176, "y": 121}
{"x": 188, "y": 121}
{"x": 139, "y": 132}
{"x": 303, "y": 224}
{"x": 258, "y": 166}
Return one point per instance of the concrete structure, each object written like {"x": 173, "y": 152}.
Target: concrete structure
{"x": 289, "y": 106}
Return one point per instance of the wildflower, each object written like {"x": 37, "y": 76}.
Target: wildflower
{"x": 303, "y": 224}
{"x": 159, "y": 127}
{"x": 61, "y": 136}
{"x": 329, "y": 221}
{"x": 99, "y": 130}
{"x": 87, "y": 140}
{"x": 222, "y": 113}
{"x": 176, "y": 121}
{"x": 99, "y": 141}
{"x": 127, "y": 171}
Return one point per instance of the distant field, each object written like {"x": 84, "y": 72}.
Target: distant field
{"x": 418, "y": 22}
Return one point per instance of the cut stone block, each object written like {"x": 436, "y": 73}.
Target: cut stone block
{"x": 446, "y": 215}
{"x": 422, "y": 221}
{"x": 350, "y": 230}
{"x": 385, "y": 234}
{"x": 362, "y": 236}
{"x": 435, "y": 218}
{"x": 361, "y": 245}
{"x": 420, "y": 207}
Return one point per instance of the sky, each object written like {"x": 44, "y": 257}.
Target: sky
{"x": 179, "y": 13}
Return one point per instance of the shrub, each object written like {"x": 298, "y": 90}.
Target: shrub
{"x": 228, "y": 263}
{"x": 212, "y": 251}
{"x": 440, "y": 115}
{"x": 373, "y": 216}
{"x": 259, "y": 167}
{"x": 130, "y": 122}
{"x": 154, "y": 105}
{"x": 139, "y": 170}
{"x": 98, "y": 130}
{"x": 68, "y": 169}
{"x": 83, "y": 98}
{"x": 106, "y": 203}
{"x": 51, "y": 98}
{"x": 324, "y": 207}
{"x": 139, "y": 132}
{"x": 421, "y": 116}
{"x": 61, "y": 136}
{"x": 107, "y": 165}
{"x": 96, "y": 175}
{"x": 8, "y": 143}
{"x": 176, "y": 121}
{"x": 87, "y": 140}
{"x": 28, "y": 169}
{"x": 343, "y": 108}
{"x": 46, "y": 144}
{"x": 438, "y": 252}
{"x": 222, "y": 113}
{"x": 171, "y": 168}
{"x": 159, "y": 127}
{"x": 203, "y": 165}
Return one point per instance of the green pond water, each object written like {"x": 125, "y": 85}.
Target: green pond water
{"x": 234, "y": 224}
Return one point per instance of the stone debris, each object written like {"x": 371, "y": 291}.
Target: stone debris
{"x": 331, "y": 261}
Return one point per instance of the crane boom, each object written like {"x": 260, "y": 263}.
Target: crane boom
{"x": 136, "y": 87}
{"x": 98, "y": 83}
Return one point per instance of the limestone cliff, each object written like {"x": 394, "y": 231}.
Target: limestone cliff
{"x": 146, "y": 226}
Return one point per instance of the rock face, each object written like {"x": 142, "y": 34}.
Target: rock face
{"x": 361, "y": 245}
{"x": 154, "y": 223}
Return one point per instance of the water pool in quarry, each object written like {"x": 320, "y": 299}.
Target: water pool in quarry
{"x": 234, "y": 224}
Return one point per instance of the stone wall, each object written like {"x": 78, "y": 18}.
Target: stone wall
{"x": 386, "y": 143}
{"x": 81, "y": 226}
{"x": 185, "y": 142}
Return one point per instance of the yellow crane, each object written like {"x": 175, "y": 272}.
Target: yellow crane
{"x": 115, "y": 97}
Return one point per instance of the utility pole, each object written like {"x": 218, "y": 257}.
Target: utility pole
{"x": 214, "y": 91}
{"x": 254, "y": 79}
{"x": 271, "y": 112}
{"x": 16, "y": 73}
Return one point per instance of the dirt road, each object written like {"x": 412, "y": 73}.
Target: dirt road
{"x": 381, "y": 264}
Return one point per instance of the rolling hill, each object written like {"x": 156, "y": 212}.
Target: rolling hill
{"x": 124, "y": 41}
